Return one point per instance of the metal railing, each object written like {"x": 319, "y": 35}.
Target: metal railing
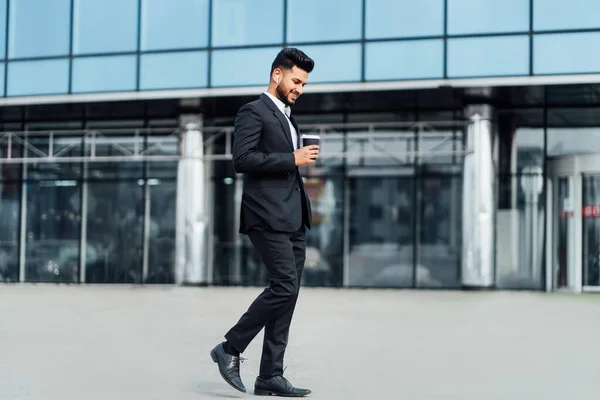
{"x": 396, "y": 140}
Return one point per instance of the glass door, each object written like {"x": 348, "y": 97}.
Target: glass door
{"x": 574, "y": 251}
{"x": 590, "y": 214}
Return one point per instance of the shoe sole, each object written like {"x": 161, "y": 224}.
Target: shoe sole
{"x": 269, "y": 393}
{"x": 214, "y": 358}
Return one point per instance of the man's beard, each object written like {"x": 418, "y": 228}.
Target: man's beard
{"x": 282, "y": 96}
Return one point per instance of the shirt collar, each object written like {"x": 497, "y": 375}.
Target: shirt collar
{"x": 280, "y": 104}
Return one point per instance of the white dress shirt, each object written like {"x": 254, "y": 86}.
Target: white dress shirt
{"x": 287, "y": 111}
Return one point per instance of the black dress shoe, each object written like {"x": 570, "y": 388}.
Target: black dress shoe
{"x": 277, "y": 386}
{"x": 229, "y": 367}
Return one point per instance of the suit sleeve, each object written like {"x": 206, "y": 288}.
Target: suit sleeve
{"x": 246, "y": 137}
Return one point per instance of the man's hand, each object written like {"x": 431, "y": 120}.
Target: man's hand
{"x": 306, "y": 155}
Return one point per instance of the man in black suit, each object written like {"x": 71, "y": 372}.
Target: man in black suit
{"x": 275, "y": 213}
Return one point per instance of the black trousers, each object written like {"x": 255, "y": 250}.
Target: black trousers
{"x": 283, "y": 254}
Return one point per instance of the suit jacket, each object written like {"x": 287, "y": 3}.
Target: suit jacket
{"x": 273, "y": 194}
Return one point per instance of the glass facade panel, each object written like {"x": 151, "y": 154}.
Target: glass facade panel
{"x": 489, "y": 56}
{"x": 381, "y": 232}
{"x": 161, "y": 245}
{"x": 168, "y": 24}
{"x": 489, "y": 16}
{"x": 39, "y": 28}
{"x": 102, "y": 26}
{"x": 404, "y": 60}
{"x": 324, "y": 263}
{"x": 104, "y": 74}
{"x": 53, "y": 231}
{"x": 566, "y": 53}
{"x": 566, "y": 135}
{"x": 10, "y": 215}
{"x": 226, "y": 69}
{"x": 323, "y": 20}
{"x": 404, "y": 18}
{"x": 185, "y": 70}
{"x": 3, "y": 28}
{"x": 38, "y": 77}
{"x": 520, "y": 220}
{"x": 115, "y": 231}
{"x": 565, "y": 14}
{"x": 329, "y": 66}
{"x": 241, "y": 22}
{"x": 440, "y": 246}
{"x": 2, "y": 72}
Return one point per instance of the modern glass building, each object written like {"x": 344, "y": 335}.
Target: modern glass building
{"x": 461, "y": 140}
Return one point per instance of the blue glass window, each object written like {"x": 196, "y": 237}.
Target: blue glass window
{"x": 174, "y": 70}
{"x": 104, "y": 74}
{"x": 2, "y": 69}
{"x": 334, "y": 62}
{"x": 404, "y": 18}
{"x": 419, "y": 59}
{"x": 566, "y": 14}
{"x": 104, "y": 26}
{"x": 566, "y": 53}
{"x": 39, "y": 28}
{"x": 227, "y": 66}
{"x": 488, "y": 56}
{"x": 38, "y": 77}
{"x": 2, "y": 28}
{"x": 323, "y": 20}
{"x": 170, "y": 24}
{"x": 242, "y": 22}
{"x": 487, "y": 16}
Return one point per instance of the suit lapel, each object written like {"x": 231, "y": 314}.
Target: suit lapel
{"x": 281, "y": 117}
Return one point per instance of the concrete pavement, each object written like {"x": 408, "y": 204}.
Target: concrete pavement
{"x": 153, "y": 343}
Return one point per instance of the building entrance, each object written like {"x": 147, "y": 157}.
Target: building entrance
{"x": 573, "y": 254}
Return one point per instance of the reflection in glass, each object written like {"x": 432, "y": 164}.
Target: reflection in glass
{"x": 560, "y": 141}
{"x": 241, "y": 22}
{"x": 440, "y": 244}
{"x": 39, "y": 28}
{"x": 10, "y": 206}
{"x": 324, "y": 243}
{"x": 115, "y": 228}
{"x": 104, "y": 74}
{"x": 381, "y": 233}
{"x": 489, "y": 16}
{"x": 404, "y": 18}
{"x": 565, "y": 14}
{"x": 381, "y": 148}
{"x": 591, "y": 230}
{"x": 520, "y": 229}
{"x": 53, "y": 231}
{"x": 419, "y": 59}
{"x": 161, "y": 245}
{"x": 168, "y": 24}
{"x": 38, "y": 77}
{"x": 566, "y": 53}
{"x": 488, "y": 56}
{"x": 104, "y": 26}
{"x": 323, "y": 20}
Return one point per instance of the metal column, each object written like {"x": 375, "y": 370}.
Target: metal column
{"x": 478, "y": 198}
{"x": 192, "y": 220}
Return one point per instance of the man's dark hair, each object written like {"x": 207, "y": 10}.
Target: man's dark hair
{"x": 290, "y": 57}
